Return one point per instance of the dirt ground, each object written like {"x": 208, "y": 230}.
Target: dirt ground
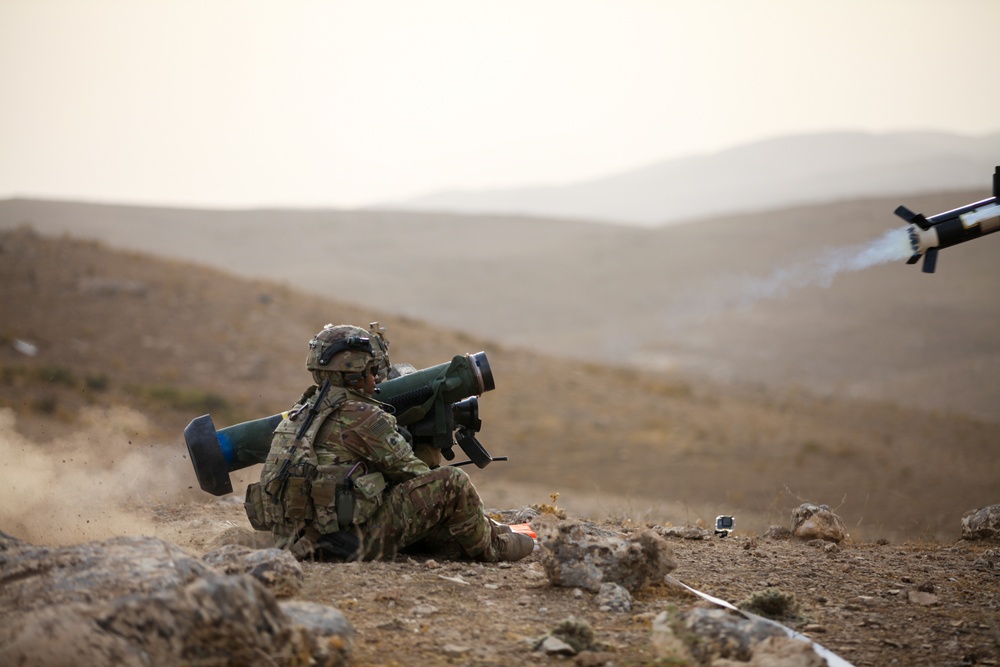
{"x": 128, "y": 349}
{"x": 870, "y": 603}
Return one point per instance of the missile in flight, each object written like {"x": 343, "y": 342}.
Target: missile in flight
{"x": 930, "y": 234}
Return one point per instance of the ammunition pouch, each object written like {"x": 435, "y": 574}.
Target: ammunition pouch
{"x": 297, "y": 498}
{"x": 368, "y": 492}
{"x": 254, "y": 506}
{"x": 324, "y": 497}
{"x": 340, "y": 502}
{"x": 286, "y": 500}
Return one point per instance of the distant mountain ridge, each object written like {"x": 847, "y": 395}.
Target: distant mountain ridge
{"x": 776, "y": 173}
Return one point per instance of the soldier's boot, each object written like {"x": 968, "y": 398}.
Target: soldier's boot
{"x": 500, "y": 527}
{"x": 509, "y": 547}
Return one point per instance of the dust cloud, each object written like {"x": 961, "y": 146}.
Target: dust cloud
{"x": 100, "y": 482}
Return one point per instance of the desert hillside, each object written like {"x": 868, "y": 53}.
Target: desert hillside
{"x": 172, "y": 340}
{"x": 752, "y": 299}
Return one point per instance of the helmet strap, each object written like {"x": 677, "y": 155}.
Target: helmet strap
{"x": 359, "y": 343}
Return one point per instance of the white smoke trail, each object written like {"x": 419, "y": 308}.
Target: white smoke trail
{"x": 818, "y": 270}
{"x": 893, "y": 246}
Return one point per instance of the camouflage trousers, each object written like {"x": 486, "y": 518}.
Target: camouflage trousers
{"x": 437, "y": 507}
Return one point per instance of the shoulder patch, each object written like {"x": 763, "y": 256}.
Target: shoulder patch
{"x": 380, "y": 426}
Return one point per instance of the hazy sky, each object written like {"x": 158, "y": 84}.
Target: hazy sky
{"x": 236, "y": 103}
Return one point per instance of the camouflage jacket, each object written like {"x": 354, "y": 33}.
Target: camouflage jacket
{"x": 351, "y": 437}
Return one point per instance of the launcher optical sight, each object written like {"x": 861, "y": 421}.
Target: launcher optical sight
{"x": 928, "y": 235}
{"x": 437, "y": 405}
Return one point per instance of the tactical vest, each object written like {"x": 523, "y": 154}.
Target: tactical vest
{"x": 295, "y": 491}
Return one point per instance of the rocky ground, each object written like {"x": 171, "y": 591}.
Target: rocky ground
{"x": 870, "y": 603}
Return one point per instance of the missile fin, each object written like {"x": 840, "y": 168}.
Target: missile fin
{"x": 930, "y": 260}
{"x": 915, "y": 218}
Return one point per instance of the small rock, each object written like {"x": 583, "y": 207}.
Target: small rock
{"x": 26, "y": 348}
{"x": 454, "y": 650}
{"x": 988, "y": 560}
{"x": 554, "y": 646}
{"x": 594, "y": 659}
{"x": 922, "y": 598}
{"x": 612, "y": 597}
{"x": 424, "y": 610}
{"x": 394, "y": 624}
{"x": 684, "y": 532}
{"x": 777, "y": 533}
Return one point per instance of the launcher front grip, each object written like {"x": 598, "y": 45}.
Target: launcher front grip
{"x": 214, "y": 455}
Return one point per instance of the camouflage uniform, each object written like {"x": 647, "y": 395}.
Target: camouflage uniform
{"x": 340, "y": 481}
{"x": 398, "y": 499}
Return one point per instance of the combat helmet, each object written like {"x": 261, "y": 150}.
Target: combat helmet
{"x": 344, "y": 353}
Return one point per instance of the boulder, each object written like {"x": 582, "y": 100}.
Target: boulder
{"x": 37, "y": 576}
{"x": 982, "y": 524}
{"x": 142, "y": 601}
{"x": 817, "y": 522}
{"x": 277, "y": 569}
{"x": 575, "y": 557}
{"x": 778, "y": 652}
{"x": 709, "y": 634}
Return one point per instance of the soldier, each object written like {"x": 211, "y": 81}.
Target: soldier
{"x": 342, "y": 483}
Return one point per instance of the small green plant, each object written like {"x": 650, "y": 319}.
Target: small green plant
{"x": 97, "y": 382}
{"x": 811, "y": 447}
{"x": 575, "y": 632}
{"x": 57, "y": 375}
{"x": 47, "y": 405}
{"x": 772, "y": 603}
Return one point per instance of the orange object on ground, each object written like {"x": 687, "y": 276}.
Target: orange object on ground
{"x": 525, "y": 529}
